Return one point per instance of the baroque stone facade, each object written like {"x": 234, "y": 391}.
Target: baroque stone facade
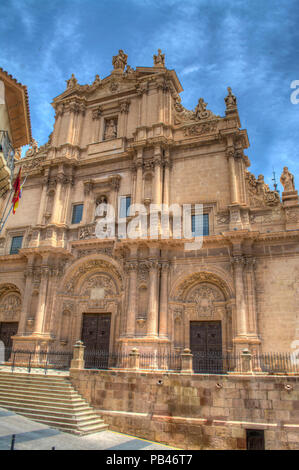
{"x": 129, "y": 136}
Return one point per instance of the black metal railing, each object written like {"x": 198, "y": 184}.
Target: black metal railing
{"x": 202, "y": 362}
{"x": 95, "y": 359}
{"x": 276, "y": 363}
{"x": 32, "y": 359}
{"x": 215, "y": 363}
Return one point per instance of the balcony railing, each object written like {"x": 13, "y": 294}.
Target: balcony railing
{"x": 7, "y": 154}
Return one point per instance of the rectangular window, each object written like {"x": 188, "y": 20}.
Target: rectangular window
{"x": 16, "y": 245}
{"x": 124, "y": 208}
{"x": 77, "y": 213}
{"x": 195, "y": 226}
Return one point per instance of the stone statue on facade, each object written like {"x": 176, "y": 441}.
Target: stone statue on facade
{"x": 159, "y": 60}
{"x": 129, "y": 70}
{"x": 230, "y": 99}
{"x": 97, "y": 80}
{"x": 287, "y": 180}
{"x": 119, "y": 61}
{"x": 110, "y": 129}
{"x": 201, "y": 112}
{"x": 33, "y": 149}
{"x": 71, "y": 82}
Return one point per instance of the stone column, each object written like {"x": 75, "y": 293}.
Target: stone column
{"x": 163, "y": 330}
{"x": 157, "y": 176}
{"x": 95, "y": 128}
{"x": 124, "y": 110}
{"x": 42, "y": 206}
{"x": 57, "y": 206}
{"x": 26, "y": 298}
{"x": 57, "y": 125}
{"x": 139, "y": 176}
{"x": 166, "y": 189}
{"x": 250, "y": 284}
{"x": 241, "y": 316}
{"x": 73, "y": 109}
{"x": 114, "y": 184}
{"x": 131, "y": 267}
{"x": 232, "y": 176}
{"x": 88, "y": 200}
{"x": 41, "y": 306}
{"x": 152, "y": 320}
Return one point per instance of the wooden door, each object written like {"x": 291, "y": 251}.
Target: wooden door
{"x": 7, "y": 330}
{"x": 206, "y": 346}
{"x": 96, "y": 338}
{"x": 255, "y": 439}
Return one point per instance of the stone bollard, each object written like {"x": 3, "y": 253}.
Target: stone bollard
{"x": 246, "y": 361}
{"x": 187, "y": 362}
{"x": 134, "y": 359}
{"x": 78, "y": 356}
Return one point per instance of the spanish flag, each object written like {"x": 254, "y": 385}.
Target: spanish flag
{"x": 17, "y": 194}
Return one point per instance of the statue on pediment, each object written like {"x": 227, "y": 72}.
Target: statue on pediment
{"x": 230, "y": 99}
{"x": 71, "y": 82}
{"x": 129, "y": 70}
{"x": 119, "y": 61}
{"x": 201, "y": 112}
{"x": 159, "y": 60}
{"x": 287, "y": 180}
{"x": 97, "y": 80}
{"x": 33, "y": 149}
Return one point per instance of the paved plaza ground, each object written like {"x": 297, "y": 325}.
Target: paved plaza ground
{"x": 35, "y": 436}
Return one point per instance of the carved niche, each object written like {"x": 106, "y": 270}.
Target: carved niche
{"x": 110, "y": 131}
{"x": 10, "y": 307}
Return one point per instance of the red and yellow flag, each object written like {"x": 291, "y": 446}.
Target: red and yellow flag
{"x": 17, "y": 193}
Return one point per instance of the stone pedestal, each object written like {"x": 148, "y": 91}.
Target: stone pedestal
{"x": 290, "y": 203}
{"x": 78, "y": 356}
{"x": 187, "y": 362}
{"x": 134, "y": 359}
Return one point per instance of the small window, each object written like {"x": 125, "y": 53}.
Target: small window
{"x": 77, "y": 213}
{"x": 195, "y": 227}
{"x": 125, "y": 203}
{"x": 16, "y": 245}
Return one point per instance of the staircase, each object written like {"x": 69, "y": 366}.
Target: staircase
{"x": 50, "y": 400}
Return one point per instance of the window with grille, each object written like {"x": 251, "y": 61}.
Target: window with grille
{"x": 16, "y": 245}
{"x": 77, "y": 213}
{"x": 196, "y": 223}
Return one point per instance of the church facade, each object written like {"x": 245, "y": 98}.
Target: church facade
{"x": 124, "y": 140}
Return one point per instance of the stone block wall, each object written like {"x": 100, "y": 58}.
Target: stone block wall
{"x": 195, "y": 411}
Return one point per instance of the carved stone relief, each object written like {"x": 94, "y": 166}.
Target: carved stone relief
{"x": 10, "y": 307}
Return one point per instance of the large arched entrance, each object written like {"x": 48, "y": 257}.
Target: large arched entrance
{"x": 90, "y": 304}
{"x": 202, "y": 319}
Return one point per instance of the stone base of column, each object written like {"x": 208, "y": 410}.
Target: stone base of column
{"x": 290, "y": 203}
{"x": 235, "y": 221}
{"x": 32, "y": 342}
{"x": 144, "y": 344}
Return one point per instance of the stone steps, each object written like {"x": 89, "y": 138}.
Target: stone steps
{"x": 50, "y": 400}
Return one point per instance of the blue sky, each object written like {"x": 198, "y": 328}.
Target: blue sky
{"x": 250, "y": 45}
